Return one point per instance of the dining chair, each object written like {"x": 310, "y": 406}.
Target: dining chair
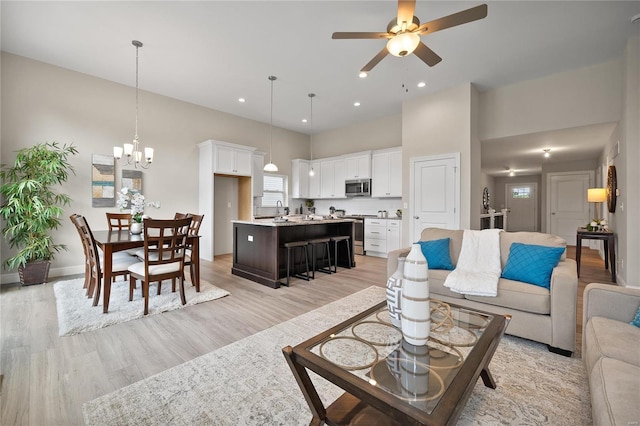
{"x": 118, "y": 221}
{"x": 87, "y": 268}
{"x": 164, "y": 252}
{"x": 94, "y": 260}
{"x": 194, "y": 229}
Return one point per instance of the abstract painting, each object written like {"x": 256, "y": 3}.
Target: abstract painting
{"x": 103, "y": 180}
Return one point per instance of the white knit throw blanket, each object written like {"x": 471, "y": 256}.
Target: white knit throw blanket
{"x": 478, "y": 269}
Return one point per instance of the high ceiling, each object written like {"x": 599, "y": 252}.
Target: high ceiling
{"x": 211, "y": 53}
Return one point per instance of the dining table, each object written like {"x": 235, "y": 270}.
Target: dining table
{"x": 118, "y": 240}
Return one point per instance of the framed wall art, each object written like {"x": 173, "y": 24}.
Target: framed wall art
{"x": 132, "y": 179}
{"x": 103, "y": 180}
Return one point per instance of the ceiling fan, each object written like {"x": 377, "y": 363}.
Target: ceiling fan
{"x": 403, "y": 33}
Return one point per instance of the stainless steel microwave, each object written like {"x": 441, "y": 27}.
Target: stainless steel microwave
{"x": 357, "y": 188}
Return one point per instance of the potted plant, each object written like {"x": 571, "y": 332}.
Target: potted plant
{"x": 32, "y": 207}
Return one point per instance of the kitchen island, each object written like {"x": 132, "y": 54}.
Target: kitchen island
{"x": 258, "y": 246}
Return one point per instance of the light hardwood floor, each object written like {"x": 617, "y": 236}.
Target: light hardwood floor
{"x": 45, "y": 379}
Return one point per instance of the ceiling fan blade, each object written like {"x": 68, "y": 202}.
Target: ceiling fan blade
{"x": 372, "y": 63}
{"x": 469, "y": 15}
{"x": 348, "y": 35}
{"x": 406, "y": 8}
{"x": 427, "y": 55}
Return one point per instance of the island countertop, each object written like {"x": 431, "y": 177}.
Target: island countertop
{"x": 291, "y": 222}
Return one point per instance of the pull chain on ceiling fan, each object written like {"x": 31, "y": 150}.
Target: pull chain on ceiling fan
{"x": 403, "y": 33}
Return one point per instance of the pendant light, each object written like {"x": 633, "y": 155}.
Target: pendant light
{"x": 132, "y": 150}
{"x": 270, "y": 167}
{"x": 311, "y": 172}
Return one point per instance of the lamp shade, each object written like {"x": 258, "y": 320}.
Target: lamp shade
{"x": 403, "y": 44}
{"x": 597, "y": 195}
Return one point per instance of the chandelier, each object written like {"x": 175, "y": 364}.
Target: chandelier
{"x": 132, "y": 150}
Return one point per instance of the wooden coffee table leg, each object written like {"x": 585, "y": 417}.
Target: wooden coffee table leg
{"x": 487, "y": 378}
{"x": 306, "y": 386}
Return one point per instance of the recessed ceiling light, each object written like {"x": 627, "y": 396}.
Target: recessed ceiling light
{"x": 241, "y": 99}
{"x": 363, "y": 74}
{"x": 304, "y": 120}
{"x": 356, "y": 104}
{"x": 422, "y": 84}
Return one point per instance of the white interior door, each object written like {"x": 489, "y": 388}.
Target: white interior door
{"x": 522, "y": 201}
{"x": 567, "y": 201}
{"x": 435, "y": 193}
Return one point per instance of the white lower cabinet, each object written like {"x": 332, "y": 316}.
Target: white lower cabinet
{"x": 381, "y": 236}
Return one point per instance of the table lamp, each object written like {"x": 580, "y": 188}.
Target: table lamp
{"x": 597, "y": 195}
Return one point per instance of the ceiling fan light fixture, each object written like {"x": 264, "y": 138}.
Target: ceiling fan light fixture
{"x": 403, "y": 44}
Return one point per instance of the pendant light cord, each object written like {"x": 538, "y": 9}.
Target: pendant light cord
{"x": 272, "y": 78}
{"x": 136, "y": 135}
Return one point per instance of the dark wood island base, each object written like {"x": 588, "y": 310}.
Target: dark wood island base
{"x": 258, "y": 252}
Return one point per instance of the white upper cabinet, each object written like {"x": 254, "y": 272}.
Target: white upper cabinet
{"x": 233, "y": 160}
{"x": 300, "y": 178}
{"x": 358, "y": 166}
{"x": 332, "y": 178}
{"x": 386, "y": 179}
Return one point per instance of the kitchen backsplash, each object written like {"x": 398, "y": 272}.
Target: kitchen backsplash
{"x": 359, "y": 205}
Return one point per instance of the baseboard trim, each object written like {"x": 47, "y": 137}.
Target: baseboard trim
{"x": 13, "y": 278}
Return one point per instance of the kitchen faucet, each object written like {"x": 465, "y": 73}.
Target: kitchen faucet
{"x": 277, "y": 209}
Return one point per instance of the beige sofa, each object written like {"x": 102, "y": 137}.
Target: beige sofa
{"x": 611, "y": 352}
{"x": 546, "y": 316}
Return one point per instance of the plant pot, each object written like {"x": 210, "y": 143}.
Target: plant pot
{"x": 135, "y": 228}
{"x": 34, "y": 273}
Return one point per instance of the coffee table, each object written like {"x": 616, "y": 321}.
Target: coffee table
{"x": 388, "y": 381}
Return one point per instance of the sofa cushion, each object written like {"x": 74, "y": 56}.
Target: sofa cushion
{"x": 537, "y": 238}
{"x": 436, "y": 284}
{"x": 520, "y": 296}
{"x": 455, "y": 245}
{"x": 437, "y": 253}
{"x": 605, "y": 337}
{"x": 532, "y": 263}
{"x": 614, "y": 387}
{"x": 636, "y": 320}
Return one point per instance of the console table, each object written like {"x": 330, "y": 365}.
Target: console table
{"x": 609, "y": 247}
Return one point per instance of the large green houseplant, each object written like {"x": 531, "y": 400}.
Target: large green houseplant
{"x": 32, "y": 207}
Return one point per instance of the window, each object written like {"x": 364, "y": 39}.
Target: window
{"x": 275, "y": 189}
{"x": 522, "y": 192}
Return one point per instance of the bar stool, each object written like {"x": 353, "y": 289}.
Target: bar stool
{"x": 337, "y": 239}
{"x": 326, "y": 254}
{"x": 292, "y": 246}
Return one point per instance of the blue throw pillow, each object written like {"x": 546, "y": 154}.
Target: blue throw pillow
{"x": 532, "y": 264}
{"x": 437, "y": 253}
{"x": 636, "y": 320}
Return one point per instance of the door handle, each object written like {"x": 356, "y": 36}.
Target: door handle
{"x": 553, "y": 213}
{"x": 416, "y": 217}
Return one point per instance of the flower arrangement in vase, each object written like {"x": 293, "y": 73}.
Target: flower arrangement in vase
{"x": 597, "y": 225}
{"x": 128, "y": 198}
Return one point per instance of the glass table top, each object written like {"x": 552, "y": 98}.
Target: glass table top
{"x": 372, "y": 349}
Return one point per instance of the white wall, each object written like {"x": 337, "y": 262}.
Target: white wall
{"x": 385, "y": 132}
{"x": 439, "y": 123}
{"x": 41, "y": 102}
{"x": 576, "y": 98}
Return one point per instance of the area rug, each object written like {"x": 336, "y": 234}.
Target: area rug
{"x": 249, "y": 383}
{"x": 77, "y": 315}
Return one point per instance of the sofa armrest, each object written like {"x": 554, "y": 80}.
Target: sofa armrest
{"x": 564, "y": 297}
{"x": 610, "y": 301}
{"x": 392, "y": 259}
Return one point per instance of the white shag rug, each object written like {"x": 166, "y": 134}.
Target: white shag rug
{"x": 77, "y": 315}
{"x": 249, "y": 383}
